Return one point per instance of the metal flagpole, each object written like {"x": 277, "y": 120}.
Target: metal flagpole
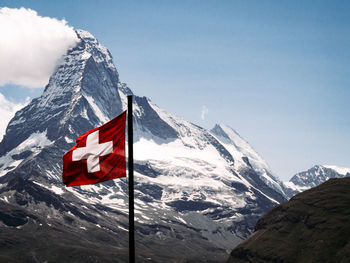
{"x": 131, "y": 184}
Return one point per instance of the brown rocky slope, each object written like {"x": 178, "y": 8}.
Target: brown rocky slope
{"x": 314, "y": 226}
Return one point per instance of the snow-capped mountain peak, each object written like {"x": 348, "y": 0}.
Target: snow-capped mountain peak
{"x": 315, "y": 176}
{"x": 231, "y": 137}
{"x": 195, "y": 188}
{"x": 245, "y": 155}
{"x": 94, "y": 48}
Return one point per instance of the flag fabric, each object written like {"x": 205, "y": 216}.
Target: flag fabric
{"x": 98, "y": 155}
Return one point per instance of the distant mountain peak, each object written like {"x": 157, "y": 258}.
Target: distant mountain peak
{"x": 315, "y": 176}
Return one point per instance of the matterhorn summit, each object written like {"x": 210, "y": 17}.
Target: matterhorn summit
{"x": 198, "y": 192}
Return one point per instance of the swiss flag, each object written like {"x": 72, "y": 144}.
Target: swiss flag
{"x": 98, "y": 155}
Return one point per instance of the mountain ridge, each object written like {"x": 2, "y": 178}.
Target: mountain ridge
{"x": 194, "y": 195}
{"x": 313, "y": 177}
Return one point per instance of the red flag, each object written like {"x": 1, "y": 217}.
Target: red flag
{"x": 98, "y": 155}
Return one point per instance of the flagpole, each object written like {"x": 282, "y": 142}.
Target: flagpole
{"x": 131, "y": 184}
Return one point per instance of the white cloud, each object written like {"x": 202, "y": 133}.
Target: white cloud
{"x": 204, "y": 112}
{"x": 30, "y": 46}
{"x": 7, "y": 111}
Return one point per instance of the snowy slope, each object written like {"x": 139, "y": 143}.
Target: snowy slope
{"x": 245, "y": 155}
{"x": 198, "y": 192}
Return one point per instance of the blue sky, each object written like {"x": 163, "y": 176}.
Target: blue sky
{"x": 275, "y": 71}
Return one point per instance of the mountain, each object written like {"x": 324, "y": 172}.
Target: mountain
{"x": 311, "y": 227}
{"x": 313, "y": 177}
{"x": 245, "y": 155}
{"x": 198, "y": 193}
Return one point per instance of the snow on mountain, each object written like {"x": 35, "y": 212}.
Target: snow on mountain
{"x": 198, "y": 192}
{"x": 33, "y": 144}
{"x": 246, "y": 155}
{"x": 339, "y": 170}
{"x": 314, "y": 177}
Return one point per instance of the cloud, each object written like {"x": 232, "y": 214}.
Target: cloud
{"x": 204, "y": 112}
{"x": 30, "y": 46}
{"x": 7, "y": 111}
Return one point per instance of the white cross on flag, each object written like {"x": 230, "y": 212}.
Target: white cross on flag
{"x": 98, "y": 155}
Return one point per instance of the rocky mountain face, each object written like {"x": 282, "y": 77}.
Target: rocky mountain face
{"x": 311, "y": 227}
{"x": 314, "y": 177}
{"x": 198, "y": 193}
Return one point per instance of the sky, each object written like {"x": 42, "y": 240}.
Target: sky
{"x": 275, "y": 71}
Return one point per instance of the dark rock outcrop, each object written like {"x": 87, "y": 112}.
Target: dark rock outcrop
{"x": 314, "y": 226}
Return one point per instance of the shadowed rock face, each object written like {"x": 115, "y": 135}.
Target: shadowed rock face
{"x": 312, "y": 227}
